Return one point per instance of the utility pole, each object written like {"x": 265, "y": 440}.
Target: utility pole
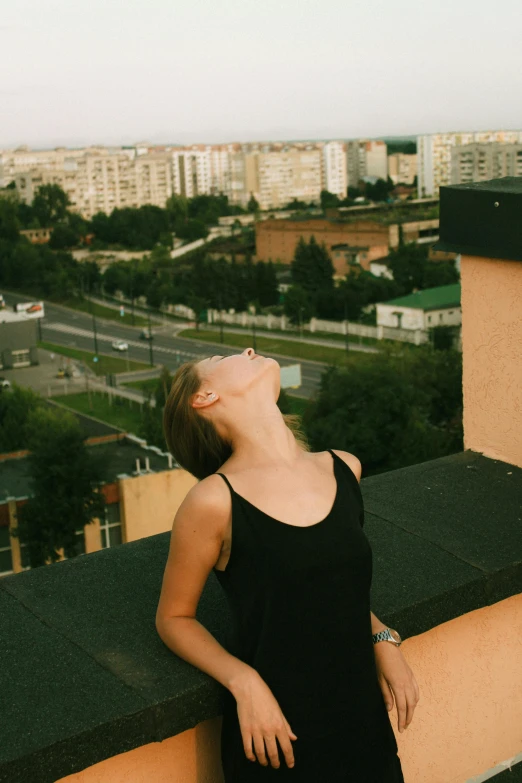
{"x": 254, "y": 330}
{"x": 346, "y": 324}
{"x": 220, "y": 318}
{"x": 132, "y": 291}
{"x": 150, "y": 342}
{"x": 91, "y": 308}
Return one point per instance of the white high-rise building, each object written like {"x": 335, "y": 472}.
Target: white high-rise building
{"x": 334, "y": 168}
{"x": 192, "y": 171}
{"x": 434, "y": 155}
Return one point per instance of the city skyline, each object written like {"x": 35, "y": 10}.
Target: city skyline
{"x": 83, "y": 75}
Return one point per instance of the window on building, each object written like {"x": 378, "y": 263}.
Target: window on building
{"x": 429, "y": 319}
{"x": 80, "y": 541}
{"x": 110, "y": 527}
{"x": 6, "y": 559}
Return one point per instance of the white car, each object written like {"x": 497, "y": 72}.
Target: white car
{"x": 120, "y": 345}
{"x": 4, "y": 383}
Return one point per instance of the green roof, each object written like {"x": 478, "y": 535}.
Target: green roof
{"x": 431, "y": 298}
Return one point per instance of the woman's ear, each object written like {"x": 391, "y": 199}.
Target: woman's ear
{"x": 203, "y": 399}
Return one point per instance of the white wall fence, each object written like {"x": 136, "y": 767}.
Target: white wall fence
{"x": 246, "y": 320}
{"x": 282, "y": 323}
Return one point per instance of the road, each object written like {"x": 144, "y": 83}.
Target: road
{"x": 73, "y": 328}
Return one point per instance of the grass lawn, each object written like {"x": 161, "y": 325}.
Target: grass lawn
{"x": 299, "y": 350}
{"x": 147, "y": 385}
{"x": 105, "y": 364}
{"x": 126, "y": 414}
{"x": 121, "y": 413}
{"x": 104, "y": 312}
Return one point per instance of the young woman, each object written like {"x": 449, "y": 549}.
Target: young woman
{"x": 282, "y": 529}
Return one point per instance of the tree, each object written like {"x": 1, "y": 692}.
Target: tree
{"x": 15, "y": 405}
{"x": 63, "y": 237}
{"x": 253, "y": 204}
{"x": 65, "y": 487}
{"x": 9, "y": 223}
{"x": 312, "y": 267}
{"x": 177, "y": 209}
{"x": 329, "y": 200}
{"x": 298, "y": 305}
{"x": 266, "y": 284}
{"x": 50, "y": 205}
{"x": 395, "y": 409}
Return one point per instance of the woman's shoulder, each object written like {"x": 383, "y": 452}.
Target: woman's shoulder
{"x": 353, "y": 462}
{"x": 209, "y": 494}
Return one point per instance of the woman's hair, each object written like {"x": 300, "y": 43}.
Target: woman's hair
{"x": 193, "y": 440}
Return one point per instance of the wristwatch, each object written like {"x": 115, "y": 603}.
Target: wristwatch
{"x": 387, "y": 635}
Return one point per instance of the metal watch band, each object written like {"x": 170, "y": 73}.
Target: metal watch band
{"x": 384, "y": 635}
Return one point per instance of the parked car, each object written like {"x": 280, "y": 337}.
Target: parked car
{"x": 120, "y": 345}
{"x": 4, "y": 383}
{"x": 146, "y": 335}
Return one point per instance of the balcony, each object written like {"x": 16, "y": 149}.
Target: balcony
{"x": 91, "y": 694}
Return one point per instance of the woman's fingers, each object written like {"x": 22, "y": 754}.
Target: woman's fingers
{"x": 286, "y": 745}
{"x": 400, "y": 701}
{"x": 259, "y": 746}
{"x": 386, "y": 692}
{"x": 406, "y": 698}
{"x": 272, "y": 751}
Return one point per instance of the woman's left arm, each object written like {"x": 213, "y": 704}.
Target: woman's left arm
{"x": 395, "y": 677}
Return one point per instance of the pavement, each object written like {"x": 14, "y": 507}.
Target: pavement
{"x": 42, "y": 378}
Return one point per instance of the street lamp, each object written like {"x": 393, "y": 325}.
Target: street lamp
{"x": 150, "y": 342}
{"x": 254, "y": 330}
{"x": 346, "y": 326}
{"x": 220, "y": 318}
{"x": 91, "y": 308}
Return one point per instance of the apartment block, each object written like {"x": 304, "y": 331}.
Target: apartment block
{"x": 335, "y": 177}
{"x": 402, "y": 168}
{"x": 475, "y": 162}
{"x": 366, "y": 158}
{"x": 100, "y": 181}
{"x": 434, "y": 153}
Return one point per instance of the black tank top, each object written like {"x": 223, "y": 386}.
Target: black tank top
{"x": 300, "y": 604}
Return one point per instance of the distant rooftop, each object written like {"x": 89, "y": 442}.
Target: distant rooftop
{"x": 118, "y": 456}
{"x": 435, "y": 298}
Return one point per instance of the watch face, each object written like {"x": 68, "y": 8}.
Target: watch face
{"x": 395, "y": 635}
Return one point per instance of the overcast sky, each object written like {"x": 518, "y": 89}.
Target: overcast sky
{"x": 74, "y": 72}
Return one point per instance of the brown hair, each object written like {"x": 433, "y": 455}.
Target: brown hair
{"x": 192, "y": 439}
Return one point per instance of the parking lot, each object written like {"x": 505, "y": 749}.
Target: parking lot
{"x": 43, "y": 377}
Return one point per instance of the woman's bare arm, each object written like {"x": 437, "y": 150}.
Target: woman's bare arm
{"x": 195, "y": 546}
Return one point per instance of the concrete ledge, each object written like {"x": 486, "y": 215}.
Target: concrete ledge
{"x": 84, "y": 675}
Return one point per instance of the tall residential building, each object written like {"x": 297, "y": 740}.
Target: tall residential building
{"x": 475, "y": 162}
{"x": 277, "y": 176}
{"x": 23, "y": 159}
{"x": 435, "y": 159}
{"x": 100, "y": 181}
{"x": 335, "y": 178}
{"x": 402, "y": 168}
{"x": 366, "y": 158}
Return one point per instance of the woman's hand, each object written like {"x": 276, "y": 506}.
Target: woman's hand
{"x": 395, "y": 676}
{"x": 261, "y": 720}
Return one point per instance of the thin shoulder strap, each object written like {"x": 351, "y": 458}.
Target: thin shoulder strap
{"x": 226, "y": 481}
{"x": 346, "y": 468}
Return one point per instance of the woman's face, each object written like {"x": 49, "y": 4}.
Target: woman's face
{"x": 235, "y": 375}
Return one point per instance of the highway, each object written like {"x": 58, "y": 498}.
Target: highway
{"x": 74, "y": 329}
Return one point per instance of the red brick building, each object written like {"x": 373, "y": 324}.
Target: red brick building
{"x": 276, "y": 240}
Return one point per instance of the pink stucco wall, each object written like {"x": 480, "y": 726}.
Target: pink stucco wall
{"x": 492, "y": 357}
{"x": 468, "y": 719}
